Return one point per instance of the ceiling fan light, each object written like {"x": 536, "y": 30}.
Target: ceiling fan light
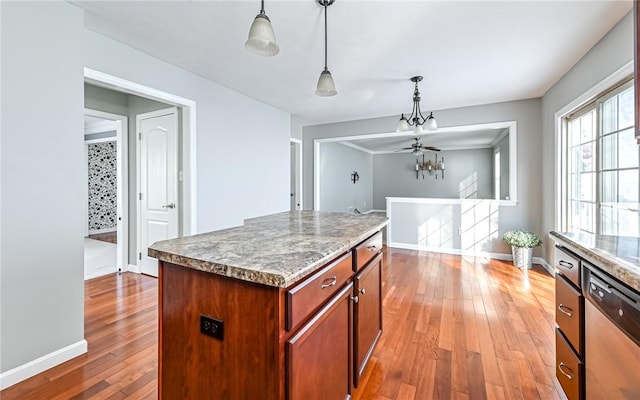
{"x": 416, "y": 152}
{"x": 326, "y": 86}
{"x": 403, "y": 124}
{"x": 431, "y": 123}
{"x": 262, "y": 39}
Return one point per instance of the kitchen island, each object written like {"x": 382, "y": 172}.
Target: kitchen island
{"x": 285, "y": 306}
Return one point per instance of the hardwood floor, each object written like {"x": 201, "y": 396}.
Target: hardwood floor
{"x": 454, "y": 327}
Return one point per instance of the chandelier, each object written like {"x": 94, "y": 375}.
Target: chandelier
{"x": 416, "y": 119}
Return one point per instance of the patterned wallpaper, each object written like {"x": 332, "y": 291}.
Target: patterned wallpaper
{"x": 102, "y": 186}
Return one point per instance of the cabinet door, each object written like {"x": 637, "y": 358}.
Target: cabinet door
{"x": 367, "y": 315}
{"x": 318, "y": 361}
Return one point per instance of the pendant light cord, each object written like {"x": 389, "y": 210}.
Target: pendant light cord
{"x": 262, "y": 7}
{"x": 325, "y": 35}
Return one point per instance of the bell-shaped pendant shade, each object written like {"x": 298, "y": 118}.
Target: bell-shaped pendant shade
{"x": 418, "y": 129}
{"x": 430, "y": 123}
{"x": 403, "y": 124}
{"x": 326, "y": 86}
{"x": 262, "y": 39}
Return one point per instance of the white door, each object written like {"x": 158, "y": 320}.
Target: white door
{"x": 158, "y": 194}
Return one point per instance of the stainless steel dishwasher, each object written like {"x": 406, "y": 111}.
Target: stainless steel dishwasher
{"x": 612, "y": 337}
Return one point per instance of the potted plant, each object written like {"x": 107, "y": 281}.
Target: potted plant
{"x": 522, "y": 244}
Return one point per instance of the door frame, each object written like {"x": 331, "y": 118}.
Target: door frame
{"x": 139, "y": 190}
{"x": 122, "y": 181}
{"x": 187, "y": 136}
{"x": 297, "y": 144}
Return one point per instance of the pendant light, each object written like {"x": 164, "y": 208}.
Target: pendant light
{"x": 262, "y": 39}
{"x": 416, "y": 120}
{"x": 326, "y": 85}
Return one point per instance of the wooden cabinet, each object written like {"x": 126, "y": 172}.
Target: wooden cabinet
{"x": 308, "y": 341}
{"x": 569, "y": 369}
{"x": 318, "y": 355}
{"x": 368, "y": 315}
{"x": 570, "y": 321}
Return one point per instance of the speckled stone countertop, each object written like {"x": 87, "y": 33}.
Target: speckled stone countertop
{"x": 275, "y": 250}
{"x": 619, "y": 256}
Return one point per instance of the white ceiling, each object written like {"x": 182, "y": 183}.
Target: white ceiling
{"x": 473, "y": 52}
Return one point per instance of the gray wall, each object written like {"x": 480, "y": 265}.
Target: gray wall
{"x": 41, "y": 256}
{"x": 44, "y": 49}
{"x": 526, "y": 214}
{"x": 129, "y": 105}
{"x": 337, "y": 191}
{"x": 609, "y": 55}
{"x": 395, "y": 175}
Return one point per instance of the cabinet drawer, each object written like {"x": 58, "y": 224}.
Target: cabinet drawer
{"x": 569, "y": 368}
{"x": 314, "y": 291}
{"x": 366, "y": 250}
{"x": 570, "y": 312}
{"x": 568, "y": 265}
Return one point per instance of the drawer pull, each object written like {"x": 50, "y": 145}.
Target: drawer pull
{"x": 328, "y": 282}
{"x": 565, "y": 264}
{"x": 371, "y": 248}
{"x": 564, "y": 309}
{"x": 561, "y": 367}
{"x": 355, "y": 299}
{"x": 362, "y": 291}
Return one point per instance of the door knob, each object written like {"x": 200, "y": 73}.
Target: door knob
{"x": 171, "y": 205}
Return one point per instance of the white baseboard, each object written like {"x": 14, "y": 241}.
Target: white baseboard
{"x": 41, "y": 364}
{"x": 98, "y": 231}
{"x": 458, "y": 252}
{"x": 134, "y": 268}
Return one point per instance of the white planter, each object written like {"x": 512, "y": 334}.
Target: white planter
{"x": 522, "y": 257}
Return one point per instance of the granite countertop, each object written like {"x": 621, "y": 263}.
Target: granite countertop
{"x": 275, "y": 250}
{"x": 619, "y": 256}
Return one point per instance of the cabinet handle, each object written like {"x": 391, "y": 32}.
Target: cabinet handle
{"x": 362, "y": 291}
{"x": 355, "y": 299}
{"x": 328, "y": 282}
{"x": 564, "y": 309}
{"x": 371, "y": 248}
{"x": 563, "y": 365}
{"x": 565, "y": 264}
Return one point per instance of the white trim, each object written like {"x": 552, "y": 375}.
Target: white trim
{"x": 189, "y": 165}
{"x": 510, "y": 126}
{"x": 458, "y": 252}
{"x": 316, "y": 174}
{"x": 134, "y": 268}
{"x": 102, "y": 140}
{"x": 121, "y": 123}
{"x": 40, "y": 364}
{"x": 298, "y": 143}
{"x": 425, "y": 200}
{"x": 105, "y": 230}
{"x": 584, "y": 98}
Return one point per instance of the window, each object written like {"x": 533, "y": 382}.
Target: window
{"x": 602, "y": 166}
{"x": 496, "y": 173}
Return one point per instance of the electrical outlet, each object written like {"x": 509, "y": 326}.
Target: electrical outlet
{"x": 212, "y": 327}
{"x": 350, "y": 209}
{"x": 459, "y": 231}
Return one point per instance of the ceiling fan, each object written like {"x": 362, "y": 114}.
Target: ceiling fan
{"x": 417, "y": 147}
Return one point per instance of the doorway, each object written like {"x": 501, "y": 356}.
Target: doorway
{"x": 186, "y": 158}
{"x": 106, "y": 211}
{"x": 296, "y": 175}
